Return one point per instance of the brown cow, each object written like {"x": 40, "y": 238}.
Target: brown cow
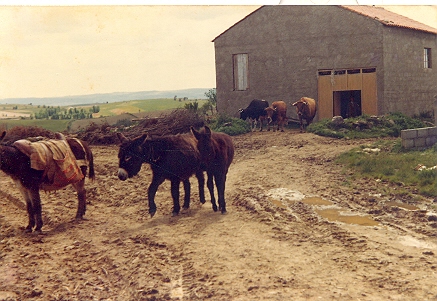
{"x": 306, "y": 109}
{"x": 277, "y": 113}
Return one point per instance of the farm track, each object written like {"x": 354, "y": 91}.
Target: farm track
{"x": 268, "y": 246}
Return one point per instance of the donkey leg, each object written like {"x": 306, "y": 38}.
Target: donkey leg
{"x": 81, "y": 197}
{"x": 30, "y": 214}
{"x": 220, "y": 182}
{"x": 210, "y": 184}
{"x": 151, "y": 192}
{"x": 187, "y": 191}
{"x": 201, "y": 181}
{"x": 28, "y": 199}
{"x": 175, "y": 195}
{"x": 37, "y": 209}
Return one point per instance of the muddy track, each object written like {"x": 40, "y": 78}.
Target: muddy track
{"x": 273, "y": 244}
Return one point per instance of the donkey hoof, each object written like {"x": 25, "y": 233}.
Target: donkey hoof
{"x": 28, "y": 230}
{"x": 152, "y": 213}
{"x": 173, "y": 214}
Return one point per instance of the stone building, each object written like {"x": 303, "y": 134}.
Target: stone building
{"x": 352, "y": 59}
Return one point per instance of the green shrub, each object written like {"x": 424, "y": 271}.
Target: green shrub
{"x": 229, "y": 125}
{"x": 123, "y": 122}
{"x": 365, "y": 126}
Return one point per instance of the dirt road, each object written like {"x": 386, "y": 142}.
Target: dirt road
{"x": 297, "y": 228}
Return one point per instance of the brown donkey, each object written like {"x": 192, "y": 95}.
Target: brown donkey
{"x": 216, "y": 153}
{"x": 49, "y": 165}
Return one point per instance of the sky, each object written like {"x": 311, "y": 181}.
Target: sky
{"x": 49, "y": 51}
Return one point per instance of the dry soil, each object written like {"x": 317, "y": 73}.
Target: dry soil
{"x": 297, "y": 228}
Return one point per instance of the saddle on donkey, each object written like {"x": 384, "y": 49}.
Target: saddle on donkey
{"x": 55, "y": 158}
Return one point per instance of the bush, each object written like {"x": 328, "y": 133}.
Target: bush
{"x": 123, "y": 123}
{"x": 365, "y": 126}
{"x": 229, "y": 125}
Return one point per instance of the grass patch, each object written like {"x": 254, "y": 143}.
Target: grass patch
{"x": 393, "y": 164}
{"x": 365, "y": 126}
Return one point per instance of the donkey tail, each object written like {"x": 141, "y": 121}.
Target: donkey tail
{"x": 90, "y": 159}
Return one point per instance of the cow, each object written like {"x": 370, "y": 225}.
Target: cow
{"x": 255, "y": 111}
{"x": 48, "y": 165}
{"x": 306, "y": 109}
{"x": 216, "y": 153}
{"x": 172, "y": 157}
{"x": 277, "y": 114}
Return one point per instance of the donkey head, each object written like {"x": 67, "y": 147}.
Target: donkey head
{"x": 130, "y": 156}
{"x": 204, "y": 143}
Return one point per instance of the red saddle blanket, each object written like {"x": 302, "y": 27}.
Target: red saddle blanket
{"x": 55, "y": 158}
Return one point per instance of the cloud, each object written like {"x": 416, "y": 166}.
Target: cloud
{"x": 57, "y": 51}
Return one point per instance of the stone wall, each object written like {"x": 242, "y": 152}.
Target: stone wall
{"x": 419, "y": 138}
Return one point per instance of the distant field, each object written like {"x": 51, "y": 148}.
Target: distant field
{"x": 106, "y": 109}
{"x": 137, "y": 106}
{"x": 52, "y": 125}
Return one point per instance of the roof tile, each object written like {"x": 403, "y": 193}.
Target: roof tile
{"x": 389, "y": 18}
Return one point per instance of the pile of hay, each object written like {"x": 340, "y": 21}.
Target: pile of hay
{"x": 177, "y": 122}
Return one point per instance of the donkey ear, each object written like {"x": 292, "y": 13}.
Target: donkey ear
{"x": 2, "y": 135}
{"x": 195, "y": 133}
{"x": 207, "y": 131}
{"x": 122, "y": 138}
{"x": 144, "y": 137}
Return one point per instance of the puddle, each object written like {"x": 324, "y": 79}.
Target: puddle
{"x": 280, "y": 197}
{"x": 314, "y": 200}
{"x": 401, "y": 205}
{"x": 335, "y": 215}
{"x": 278, "y": 203}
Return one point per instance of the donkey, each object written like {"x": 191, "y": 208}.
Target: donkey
{"x": 172, "y": 157}
{"x": 216, "y": 152}
{"x": 15, "y": 161}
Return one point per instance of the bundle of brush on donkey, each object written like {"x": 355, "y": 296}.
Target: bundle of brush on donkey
{"x": 48, "y": 164}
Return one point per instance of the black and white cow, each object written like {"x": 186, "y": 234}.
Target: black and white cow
{"x": 255, "y": 111}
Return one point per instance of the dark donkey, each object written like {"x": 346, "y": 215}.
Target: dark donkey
{"x": 15, "y": 161}
{"x": 172, "y": 157}
{"x": 216, "y": 152}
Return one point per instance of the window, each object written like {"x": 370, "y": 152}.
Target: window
{"x": 241, "y": 69}
{"x": 427, "y": 58}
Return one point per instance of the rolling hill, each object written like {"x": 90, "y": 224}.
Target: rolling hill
{"x": 196, "y": 93}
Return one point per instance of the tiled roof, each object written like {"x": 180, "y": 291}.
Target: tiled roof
{"x": 389, "y": 18}
{"x": 377, "y": 13}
